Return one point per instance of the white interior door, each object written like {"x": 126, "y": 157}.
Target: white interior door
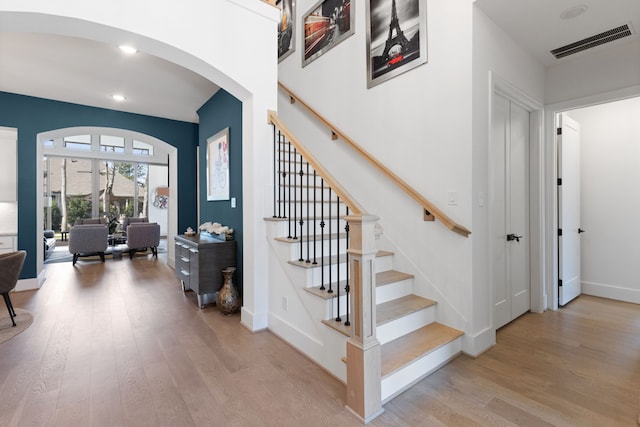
{"x": 569, "y": 282}
{"x": 510, "y": 211}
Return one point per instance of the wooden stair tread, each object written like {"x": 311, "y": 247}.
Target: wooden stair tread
{"x": 382, "y": 278}
{"x": 331, "y": 260}
{"x": 401, "y": 307}
{"x": 324, "y": 293}
{"x": 338, "y": 326}
{"x": 305, "y": 218}
{"x": 403, "y": 350}
{"x": 316, "y": 237}
{"x": 391, "y": 276}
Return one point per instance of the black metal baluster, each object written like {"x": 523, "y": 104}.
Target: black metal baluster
{"x": 338, "y": 319}
{"x": 308, "y": 218}
{"x": 315, "y": 203}
{"x": 322, "y": 234}
{"x": 288, "y": 212}
{"x": 347, "y": 289}
{"x": 330, "y": 244}
{"x": 301, "y": 210}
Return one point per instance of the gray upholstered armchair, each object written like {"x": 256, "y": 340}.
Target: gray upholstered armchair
{"x": 89, "y": 221}
{"x": 89, "y": 239}
{"x": 11, "y": 265}
{"x": 128, "y": 220}
{"x": 143, "y": 235}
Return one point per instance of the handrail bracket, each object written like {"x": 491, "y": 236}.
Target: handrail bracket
{"x": 428, "y": 216}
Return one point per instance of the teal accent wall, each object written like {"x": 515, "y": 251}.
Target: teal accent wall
{"x": 32, "y": 116}
{"x": 221, "y": 111}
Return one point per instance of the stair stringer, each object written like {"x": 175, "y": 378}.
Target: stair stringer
{"x": 300, "y": 324}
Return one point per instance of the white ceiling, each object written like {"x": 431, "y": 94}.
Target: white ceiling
{"x": 87, "y": 72}
{"x": 536, "y": 24}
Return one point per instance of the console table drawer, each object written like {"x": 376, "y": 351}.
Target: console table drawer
{"x": 7, "y": 244}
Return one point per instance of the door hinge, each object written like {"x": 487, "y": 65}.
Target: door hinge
{"x": 559, "y": 131}
{"x": 559, "y": 181}
{"x": 559, "y": 282}
{"x": 559, "y": 231}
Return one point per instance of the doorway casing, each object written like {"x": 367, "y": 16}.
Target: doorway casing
{"x": 535, "y": 156}
{"x": 551, "y": 189}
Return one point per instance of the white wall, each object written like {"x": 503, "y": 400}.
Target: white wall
{"x": 204, "y": 37}
{"x": 158, "y": 178}
{"x": 610, "y": 202}
{"x": 419, "y": 125}
{"x": 495, "y": 57}
{"x": 603, "y": 71}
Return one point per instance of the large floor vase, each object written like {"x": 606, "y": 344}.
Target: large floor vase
{"x": 228, "y": 301}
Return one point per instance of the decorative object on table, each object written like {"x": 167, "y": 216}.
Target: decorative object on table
{"x": 161, "y": 198}
{"x": 327, "y": 23}
{"x": 286, "y": 28}
{"x": 112, "y": 223}
{"x": 228, "y": 301}
{"x": 217, "y": 230}
{"x": 218, "y": 166}
{"x": 396, "y": 38}
{"x": 190, "y": 232}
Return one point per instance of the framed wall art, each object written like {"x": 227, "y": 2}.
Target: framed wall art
{"x": 286, "y": 28}
{"x": 396, "y": 38}
{"x": 328, "y": 23}
{"x": 218, "y": 166}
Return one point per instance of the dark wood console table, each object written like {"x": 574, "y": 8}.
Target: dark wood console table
{"x": 199, "y": 260}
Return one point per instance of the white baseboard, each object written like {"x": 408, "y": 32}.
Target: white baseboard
{"x": 611, "y": 292}
{"x": 253, "y": 322}
{"x": 27, "y": 284}
{"x": 475, "y": 345}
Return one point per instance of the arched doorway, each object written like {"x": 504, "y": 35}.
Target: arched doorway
{"x": 112, "y": 146}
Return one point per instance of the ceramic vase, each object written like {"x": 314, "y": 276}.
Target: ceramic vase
{"x": 228, "y": 299}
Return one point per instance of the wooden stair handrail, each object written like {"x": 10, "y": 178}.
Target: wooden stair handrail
{"x": 430, "y": 208}
{"x": 345, "y": 197}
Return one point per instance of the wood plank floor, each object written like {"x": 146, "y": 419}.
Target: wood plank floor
{"x": 119, "y": 344}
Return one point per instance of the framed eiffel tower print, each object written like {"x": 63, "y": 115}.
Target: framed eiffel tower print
{"x": 396, "y": 38}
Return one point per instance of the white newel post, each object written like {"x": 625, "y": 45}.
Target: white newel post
{"x": 363, "y": 348}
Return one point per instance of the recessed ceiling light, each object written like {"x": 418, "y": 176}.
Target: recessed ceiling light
{"x": 574, "y": 12}
{"x": 130, "y": 50}
{"x": 118, "y": 97}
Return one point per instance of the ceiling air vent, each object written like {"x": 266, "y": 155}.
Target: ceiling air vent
{"x": 593, "y": 41}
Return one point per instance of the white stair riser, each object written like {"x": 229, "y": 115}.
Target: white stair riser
{"x": 282, "y": 230}
{"x": 406, "y": 324}
{"x": 397, "y": 382}
{"x": 384, "y": 263}
{"x": 306, "y": 210}
{"x": 321, "y": 246}
{"x": 318, "y": 279}
{"x": 394, "y": 290}
{"x": 282, "y": 192}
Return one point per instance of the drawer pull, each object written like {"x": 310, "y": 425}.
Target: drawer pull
{"x": 183, "y": 259}
{"x": 184, "y": 272}
{"x": 193, "y": 251}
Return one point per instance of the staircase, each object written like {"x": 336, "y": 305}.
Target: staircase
{"x": 311, "y": 252}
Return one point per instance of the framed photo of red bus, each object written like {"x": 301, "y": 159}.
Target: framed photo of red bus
{"x": 396, "y": 38}
{"x": 327, "y": 23}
